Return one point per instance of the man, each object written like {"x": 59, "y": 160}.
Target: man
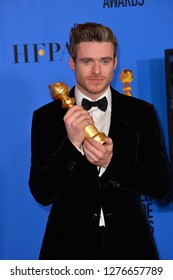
{"x": 95, "y": 189}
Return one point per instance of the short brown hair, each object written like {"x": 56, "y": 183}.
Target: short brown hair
{"x": 88, "y": 32}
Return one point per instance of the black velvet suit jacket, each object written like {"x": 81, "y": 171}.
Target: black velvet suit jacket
{"x": 60, "y": 175}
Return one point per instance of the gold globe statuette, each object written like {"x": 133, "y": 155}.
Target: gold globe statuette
{"x": 126, "y": 78}
{"x": 60, "y": 91}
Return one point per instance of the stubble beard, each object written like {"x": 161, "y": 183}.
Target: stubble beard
{"x": 92, "y": 89}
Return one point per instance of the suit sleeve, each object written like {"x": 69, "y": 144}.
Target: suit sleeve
{"x": 53, "y": 160}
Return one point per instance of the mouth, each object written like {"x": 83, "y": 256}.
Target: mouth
{"x": 95, "y": 80}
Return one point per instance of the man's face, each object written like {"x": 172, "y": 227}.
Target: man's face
{"x": 94, "y": 67}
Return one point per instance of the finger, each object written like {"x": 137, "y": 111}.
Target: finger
{"x": 72, "y": 110}
{"x": 108, "y": 140}
{"x": 93, "y": 148}
{"x": 76, "y": 113}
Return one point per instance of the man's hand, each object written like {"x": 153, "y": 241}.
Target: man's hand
{"x": 76, "y": 119}
{"x": 97, "y": 153}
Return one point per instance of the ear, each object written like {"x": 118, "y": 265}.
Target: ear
{"x": 72, "y": 63}
{"x": 115, "y": 63}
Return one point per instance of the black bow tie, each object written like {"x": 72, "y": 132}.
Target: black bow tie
{"x": 101, "y": 104}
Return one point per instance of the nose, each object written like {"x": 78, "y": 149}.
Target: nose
{"x": 96, "y": 68}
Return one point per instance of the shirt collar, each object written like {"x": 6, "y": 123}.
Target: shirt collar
{"x": 79, "y": 96}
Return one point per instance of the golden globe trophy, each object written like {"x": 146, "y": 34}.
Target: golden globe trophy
{"x": 60, "y": 91}
{"x": 126, "y": 78}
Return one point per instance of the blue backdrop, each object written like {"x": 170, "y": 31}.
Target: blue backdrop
{"x": 33, "y": 54}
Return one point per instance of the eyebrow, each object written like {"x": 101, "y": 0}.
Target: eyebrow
{"x": 102, "y": 58}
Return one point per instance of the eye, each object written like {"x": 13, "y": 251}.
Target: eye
{"x": 105, "y": 61}
{"x": 87, "y": 61}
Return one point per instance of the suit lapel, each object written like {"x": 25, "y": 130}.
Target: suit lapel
{"x": 114, "y": 115}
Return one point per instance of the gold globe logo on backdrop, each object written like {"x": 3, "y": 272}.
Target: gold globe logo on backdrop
{"x": 122, "y": 3}
{"x": 41, "y": 52}
{"x": 33, "y": 53}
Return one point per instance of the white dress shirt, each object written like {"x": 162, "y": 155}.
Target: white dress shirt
{"x": 101, "y": 121}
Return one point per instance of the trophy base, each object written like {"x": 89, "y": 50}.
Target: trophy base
{"x": 92, "y": 132}
{"x": 100, "y": 137}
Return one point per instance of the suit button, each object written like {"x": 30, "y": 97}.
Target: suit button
{"x": 115, "y": 183}
{"x": 95, "y": 217}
